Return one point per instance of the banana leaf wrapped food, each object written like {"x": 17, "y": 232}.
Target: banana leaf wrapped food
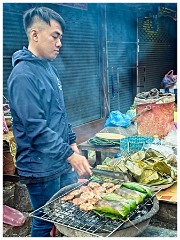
{"x": 138, "y": 187}
{"x": 152, "y": 154}
{"x": 112, "y": 209}
{"x": 118, "y": 204}
{"x": 147, "y": 167}
{"x": 131, "y": 194}
{"x": 116, "y": 197}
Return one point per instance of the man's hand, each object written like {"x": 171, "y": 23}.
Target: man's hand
{"x": 80, "y": 163}
{"x": 75, "y": 148}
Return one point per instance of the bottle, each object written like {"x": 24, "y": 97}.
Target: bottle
{"x": 12, "y": 216}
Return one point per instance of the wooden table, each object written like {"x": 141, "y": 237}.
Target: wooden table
{"x": 85, "y": 147}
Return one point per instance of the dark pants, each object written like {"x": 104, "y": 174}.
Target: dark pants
{"x": 40, "y": 193}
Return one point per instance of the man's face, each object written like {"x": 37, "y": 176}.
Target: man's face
{"x": 48, "y": 41}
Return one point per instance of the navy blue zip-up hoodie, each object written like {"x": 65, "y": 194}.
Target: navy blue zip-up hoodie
{"x": 40, "y": 124}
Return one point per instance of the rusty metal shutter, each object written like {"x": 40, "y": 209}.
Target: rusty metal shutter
{"x": 78, "y": 63}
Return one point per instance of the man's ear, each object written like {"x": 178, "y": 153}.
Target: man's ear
{"x": 34, "y": 35}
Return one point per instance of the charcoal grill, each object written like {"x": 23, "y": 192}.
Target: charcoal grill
{"x": 71, "y": 221}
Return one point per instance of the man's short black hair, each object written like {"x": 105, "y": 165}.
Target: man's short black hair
{"x": 43, "y": 13}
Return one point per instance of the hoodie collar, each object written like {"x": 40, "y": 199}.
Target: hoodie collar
{"x": 25, "y": 55}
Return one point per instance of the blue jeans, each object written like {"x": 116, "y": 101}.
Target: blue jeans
{"x": 40, "y": 193}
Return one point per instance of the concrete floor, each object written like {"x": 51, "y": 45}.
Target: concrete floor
{"x": 153, "y": 231}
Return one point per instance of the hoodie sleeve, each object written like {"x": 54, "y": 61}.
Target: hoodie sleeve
{"x": 72, "y": 135}
{"x": 26, "y": 104}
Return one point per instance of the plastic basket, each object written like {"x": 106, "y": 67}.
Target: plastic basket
{"x": 134, "y": 143}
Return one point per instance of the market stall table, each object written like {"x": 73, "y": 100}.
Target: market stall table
{"x": 85, "y": 147}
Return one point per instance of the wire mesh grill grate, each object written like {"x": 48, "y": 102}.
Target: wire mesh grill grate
{"x": 70, "y": 215}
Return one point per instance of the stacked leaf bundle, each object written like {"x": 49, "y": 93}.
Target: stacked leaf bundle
{"x": 147, "y": 167}
{"x": 106, "y": 139}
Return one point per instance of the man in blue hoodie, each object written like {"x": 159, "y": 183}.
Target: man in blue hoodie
{"x": 47, "y": 156}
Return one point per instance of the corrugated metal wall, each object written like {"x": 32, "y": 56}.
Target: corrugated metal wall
{"x": 78, "y": 62}
{"x": 81, "y": 68}
{"x": 148, "y": 43}
{"x": 99, "y": 51}
{"x": 122, "y": 53}
{"x": 13, "y": 37}
{"x": 157, "y": 51}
